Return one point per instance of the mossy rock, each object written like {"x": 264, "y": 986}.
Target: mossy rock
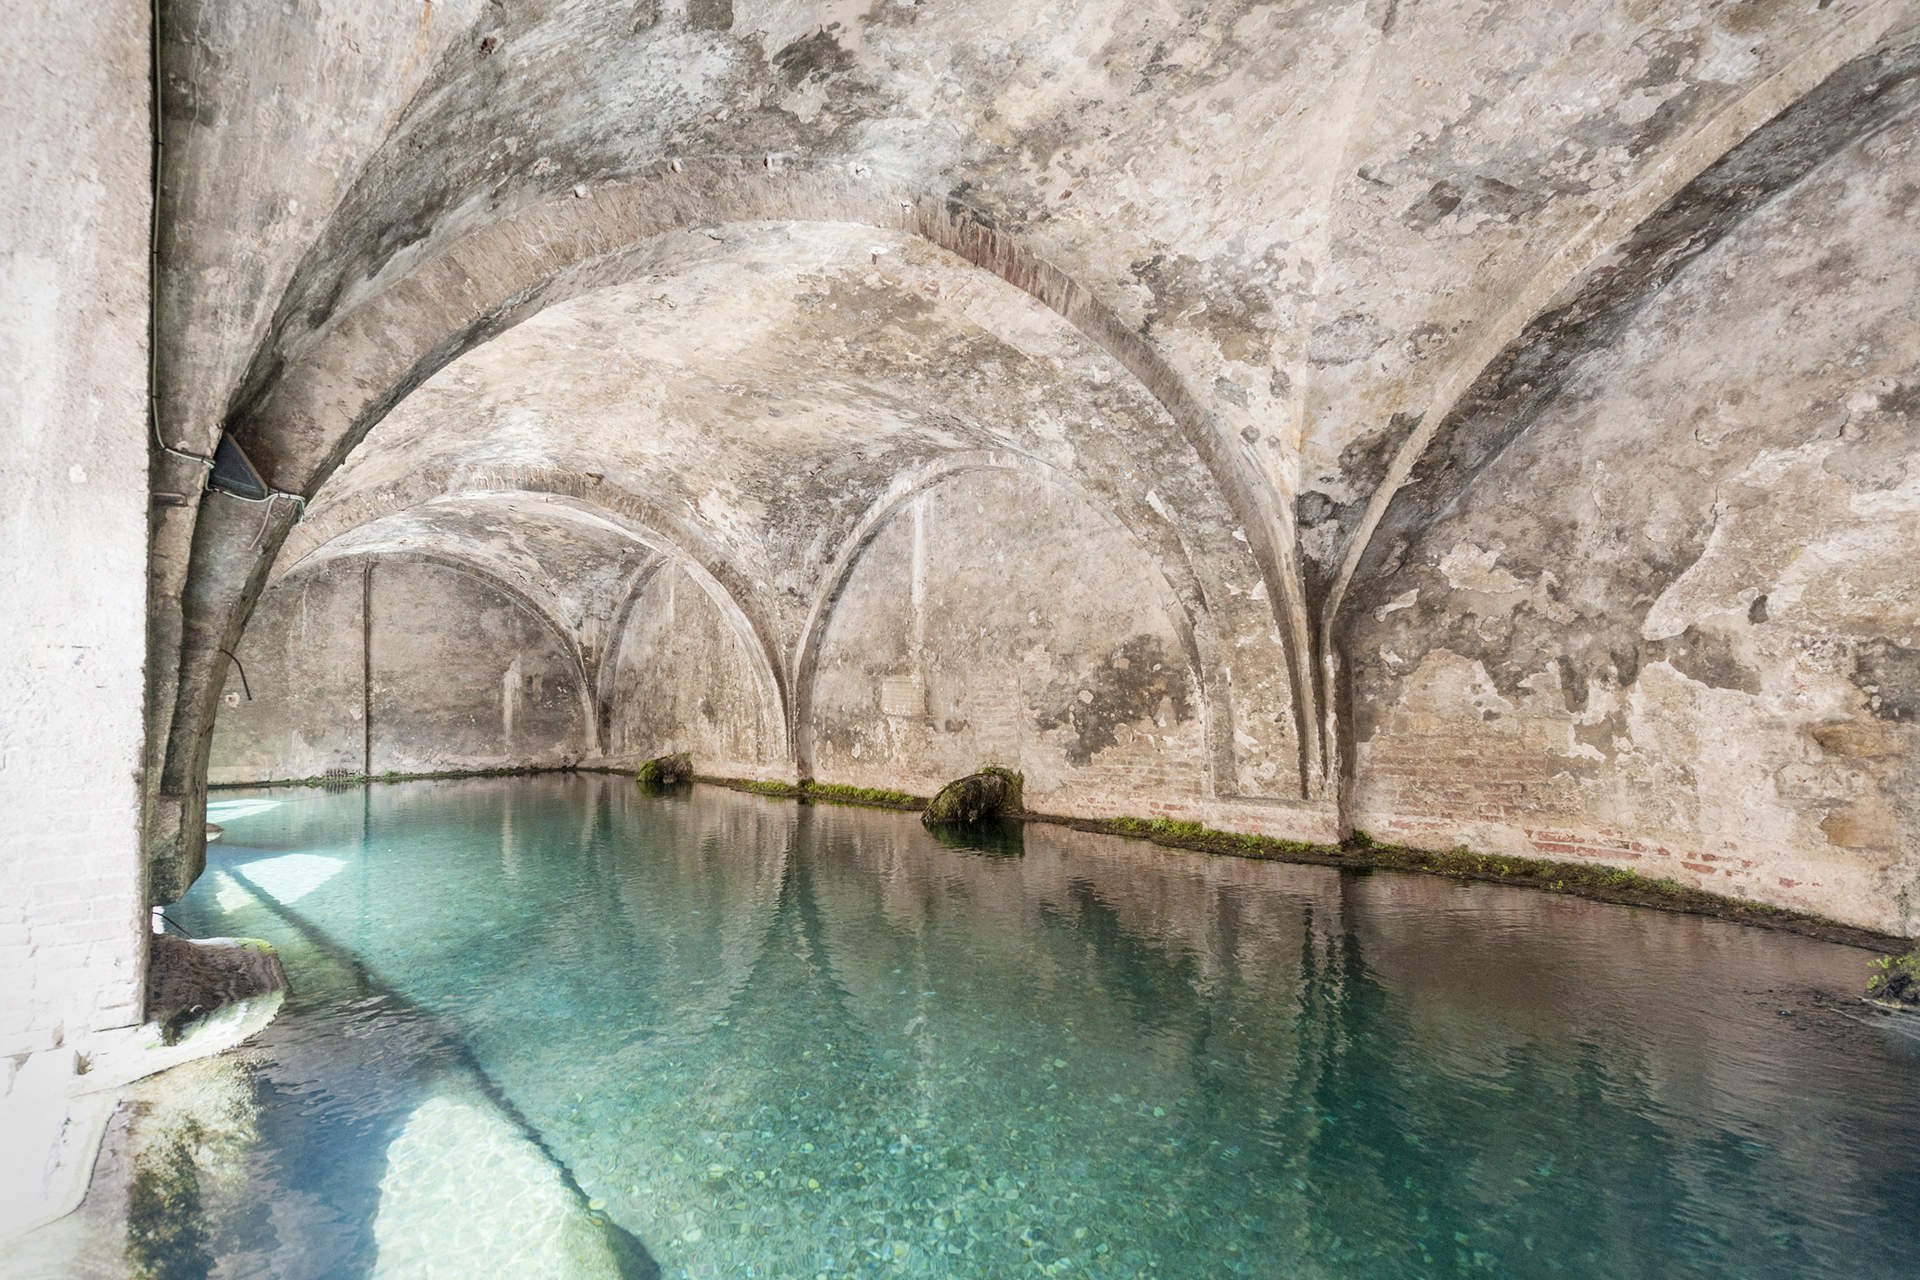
{"x": 665, "y": 771}
{"x": 189, "y": 979}
{"x": 1896, "y": 982}
{"x": 979, "y": 797}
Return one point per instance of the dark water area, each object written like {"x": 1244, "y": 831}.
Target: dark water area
{"x": 757, "y": 1038}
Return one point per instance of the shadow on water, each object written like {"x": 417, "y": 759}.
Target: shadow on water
{"x": 993, "y": 838}
{"x": 390, "y": 1057}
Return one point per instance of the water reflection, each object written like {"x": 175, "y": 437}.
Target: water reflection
{"x": 780, "y": 1040}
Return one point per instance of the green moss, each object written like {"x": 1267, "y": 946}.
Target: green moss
{"x": 837, "y": 793}
{"x": 1896, "y": 980}
{"x": 762, "y": 787}
{"x": 1186, "y": 834}
{"x": 665, "y": 771}
{"x": 820, "y": 792}
{"x": 166, "y": 1222}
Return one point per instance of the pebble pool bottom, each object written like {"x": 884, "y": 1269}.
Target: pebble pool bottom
{"x": 748, "y": 1037}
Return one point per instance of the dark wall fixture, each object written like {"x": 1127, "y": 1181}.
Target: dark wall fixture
{"x": 233, "y": 473}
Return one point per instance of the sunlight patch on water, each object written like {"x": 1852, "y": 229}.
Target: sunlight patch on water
{"x": 224, "y": 811}
{"x": 292, "y": 876}
{"x": 466, "y": 1195}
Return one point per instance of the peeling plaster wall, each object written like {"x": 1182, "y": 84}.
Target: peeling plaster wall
{"x": 997, "y": 619}
{"x": 463, "y": 676}
{"x": 1675, "y": 626}
{"x": 561, "y": 290}
{"x": 688, "y": 682}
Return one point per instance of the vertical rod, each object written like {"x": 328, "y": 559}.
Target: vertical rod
{"x": 366, "y": 668}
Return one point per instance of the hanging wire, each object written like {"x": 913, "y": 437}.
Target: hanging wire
{"x": 170, "y": 920}
{"x": 243, "y": 674}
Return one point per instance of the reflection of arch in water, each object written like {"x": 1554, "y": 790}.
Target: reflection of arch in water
{"x": 699, "y": 886}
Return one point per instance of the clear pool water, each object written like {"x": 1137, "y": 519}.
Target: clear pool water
{"x": 776, "y": 1040}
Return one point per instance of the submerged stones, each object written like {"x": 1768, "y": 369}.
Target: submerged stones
{"x": 991, "y": 793}
{"x": 182, "y": 1165}
{"x": 665, "y": 771}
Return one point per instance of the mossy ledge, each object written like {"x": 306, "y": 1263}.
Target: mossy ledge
{"x": 820, "y": 792}
{"x": 1895, "y": 983}
{"x": 1584, "y": 880}
{"x": 1359, "y": 852}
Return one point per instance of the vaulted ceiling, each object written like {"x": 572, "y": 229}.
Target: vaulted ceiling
{"x": 717, "y": 280}
{"x": 1323, "y": 217}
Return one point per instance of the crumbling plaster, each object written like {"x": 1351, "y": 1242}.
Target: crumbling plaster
{"x": 1675, "y": 623}
{"x": 1045, "y": 642}
{"x": 1270, "y": 286}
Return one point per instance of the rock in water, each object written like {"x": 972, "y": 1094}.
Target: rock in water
{"x": 665, "y": 771}
{"x": 991, "y": 793}
{"x": 189, "y": 979}
{"x": 1896, "y": 983}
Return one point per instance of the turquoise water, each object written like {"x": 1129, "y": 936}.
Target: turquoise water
{"x": 764, "y": 1039}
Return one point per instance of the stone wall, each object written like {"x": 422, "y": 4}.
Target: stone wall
{"x": 1675, "y": 627}
{"x": 294, "y": 705}
{"x": 455, "y": 673}
{"x": 73, "y": 329}
{"x": 687, "y": 681}
{"x": 74, "y": 221}
{"x": 999, "y": 619}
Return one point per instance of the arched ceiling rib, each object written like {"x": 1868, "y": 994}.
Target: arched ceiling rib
{"x": 1580, "y": 303}
{"x": 575, "y": 564}
{"x": 767, "y": 386}
{"x": 1304, "y": 205}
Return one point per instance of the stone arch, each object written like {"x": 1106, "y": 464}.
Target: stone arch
{"x": 305, "y": 403}
{"x": 1763, "y": 144}
{"x": 1184, "y": 605}
{"x": 302, "y": 409}
{"x": 673, "y": 539}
